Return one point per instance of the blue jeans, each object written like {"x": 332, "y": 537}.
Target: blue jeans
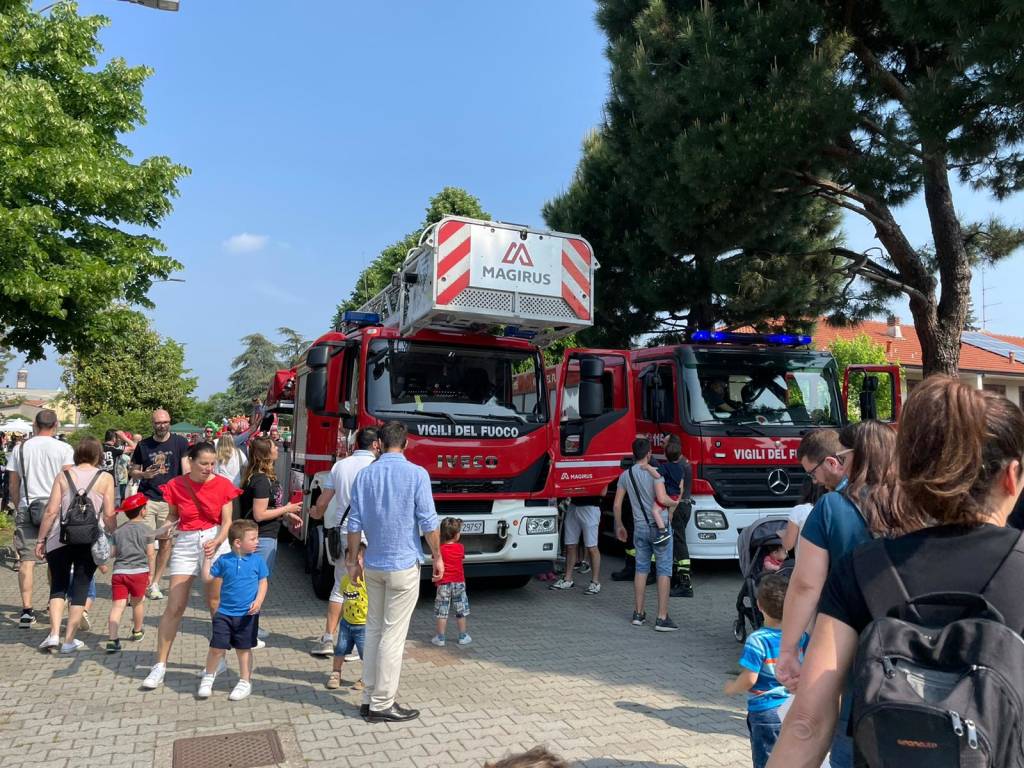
{"x": 643, "y": 541}
{"x": 764, "y": 730}
{"x": 267, "y": 549}
{"x": 350, "y": 636}
{"x": 841, "y": 753}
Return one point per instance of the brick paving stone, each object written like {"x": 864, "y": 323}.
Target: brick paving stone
{"x": 560, "y": 669}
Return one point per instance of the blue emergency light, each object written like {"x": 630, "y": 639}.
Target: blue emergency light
{"x": 360, "y": 318}
{"x": 782, "y": 339}
{"x": 515, "y": 332}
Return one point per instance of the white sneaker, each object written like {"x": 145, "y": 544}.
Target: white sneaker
{"x": 206, "y": 685}
{"x": 72, "y": 647}
{"x": 259, "y": 645}
{"x": 155, "y": 678}
{"x": 465, "y": 639}
{"x": 593, "y": 589}
{"x": 352, "y": 657}
{"x": 154, "y": 593}
{"x": 51, "y": 643}
{"x": 438, "y": 640}
{"x": 562, "y": 583}
{"x": 243, "y": 689}
{"x": 324, "y": 646}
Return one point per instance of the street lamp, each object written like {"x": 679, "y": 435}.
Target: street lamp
{"x": 160, "y": 5}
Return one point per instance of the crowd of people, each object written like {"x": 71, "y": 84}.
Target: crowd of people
{"x": 907, "y": 526}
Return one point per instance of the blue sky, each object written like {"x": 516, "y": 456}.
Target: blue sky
{"x": 316, "y": 133}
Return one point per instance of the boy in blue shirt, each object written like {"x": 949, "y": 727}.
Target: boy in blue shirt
{"x": 765, "y": 693}
{"x": 238, "y": 588}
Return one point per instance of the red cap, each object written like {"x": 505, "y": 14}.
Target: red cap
{"x": 135, "y": 501}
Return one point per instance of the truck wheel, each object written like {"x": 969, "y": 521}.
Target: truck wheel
{"x": 323, "y": 582}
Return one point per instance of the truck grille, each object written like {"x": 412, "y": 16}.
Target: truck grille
{"x": 456, "y": 485}
{"x": 447, "y": 508}
{"x": 749, "y": 486}
{"x": 477, "y": 544}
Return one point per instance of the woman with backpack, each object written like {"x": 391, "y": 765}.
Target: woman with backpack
{"x": 200, "y": 503}
{"x": 82, "y": 496}
{"x": 864, "y": 505}
{"x": 959, "y": 453}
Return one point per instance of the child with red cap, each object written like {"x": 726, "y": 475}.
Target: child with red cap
{"x": 132, "y": 550}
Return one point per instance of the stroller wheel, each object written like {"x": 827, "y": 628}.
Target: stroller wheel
{"x": 739, "y": 630}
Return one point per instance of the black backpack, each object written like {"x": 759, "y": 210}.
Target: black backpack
{"x": 80, "y": 524}
{"x": 938, "y": 696}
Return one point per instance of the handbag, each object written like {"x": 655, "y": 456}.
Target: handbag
{"x": 35, "y": 509}
{"x": 101, "y": 548}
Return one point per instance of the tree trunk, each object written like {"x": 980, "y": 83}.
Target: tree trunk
{"x": 943, "y": 352}
{"x": 702, "y": 315}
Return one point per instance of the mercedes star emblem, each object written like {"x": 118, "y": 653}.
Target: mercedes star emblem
{"x": 778, "y": 481}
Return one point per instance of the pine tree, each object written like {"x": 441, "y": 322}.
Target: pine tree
{"x": 254, "y": 368}
{"x": 860, "y": 106}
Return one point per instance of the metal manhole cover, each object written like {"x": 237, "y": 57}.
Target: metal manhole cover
{"x": 232, "y": 750}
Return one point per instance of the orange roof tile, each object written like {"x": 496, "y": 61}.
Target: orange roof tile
{"x": 907, "y": 351}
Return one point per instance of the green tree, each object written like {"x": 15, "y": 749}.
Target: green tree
{"x": 6, "y": 357}
{"x": 291, "y": 347}
{"x": 253, "y": 369}
{"x": 672, "y": 258}
{"x": 861, "y": 106}
{"x": 861, "y": 350}
{"x": 218, "y": 406}
{"x": 134, "y": 369}
{"x": 450, "y": 201}
{"x": 135, "y": 422}
{"x": 72, "y": 201}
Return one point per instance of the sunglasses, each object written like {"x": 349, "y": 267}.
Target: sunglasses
{"x": 837, "y": 456}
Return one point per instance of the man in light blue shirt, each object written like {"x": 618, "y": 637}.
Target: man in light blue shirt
{"x": 391, "y": 504}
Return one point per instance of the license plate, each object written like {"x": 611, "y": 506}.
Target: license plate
{"x": 472, "y": 526}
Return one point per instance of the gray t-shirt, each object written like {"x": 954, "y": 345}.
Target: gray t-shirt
{"x": 642, "y": 506}
{"x": 131, "y": 540}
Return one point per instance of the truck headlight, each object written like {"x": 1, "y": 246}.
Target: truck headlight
{"x": 711, "y": 519}
{"x": 540, "y": 525}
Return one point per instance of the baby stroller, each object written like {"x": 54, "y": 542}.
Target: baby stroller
{"x": 755, "y": 542}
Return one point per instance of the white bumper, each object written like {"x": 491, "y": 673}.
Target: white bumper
{"x": 710, "y": 543}
{"x": 506, "y": 536}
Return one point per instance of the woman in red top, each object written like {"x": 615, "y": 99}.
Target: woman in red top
{"x": 200, "y": 503}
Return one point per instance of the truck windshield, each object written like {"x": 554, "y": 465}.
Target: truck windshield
{"x": 421, "y": 377}
{"x": 762, "y": 387}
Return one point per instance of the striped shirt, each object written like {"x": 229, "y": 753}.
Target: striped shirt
{"x": 760, "y": 653}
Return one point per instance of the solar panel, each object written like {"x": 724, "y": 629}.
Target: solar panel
{"x": 993, "y": 345}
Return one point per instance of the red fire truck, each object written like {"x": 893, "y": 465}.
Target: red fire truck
{"x": 740, "y": 403}
{"x": 440, "y": 350}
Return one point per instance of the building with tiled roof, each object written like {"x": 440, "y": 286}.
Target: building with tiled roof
{"x": 1001, "y": 372}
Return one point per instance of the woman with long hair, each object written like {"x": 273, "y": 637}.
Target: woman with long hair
{"x": 959, "y": 453}
{"x": 866, "y": 505}
{"x": 231, "y": 461}
{"x": 262, "y": 500}
{"x": 71, "y": 565}
{"x": 200, "y": 504}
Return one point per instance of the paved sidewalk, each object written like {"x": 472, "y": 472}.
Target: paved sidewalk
{"x": 562, "y": 669}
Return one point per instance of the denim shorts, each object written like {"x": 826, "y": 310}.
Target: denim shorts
{"x": 764, "y": 730}
{"x": 643, "y": 541}
{"x": 449, "y": 595}
{"x": 350, "y": 636}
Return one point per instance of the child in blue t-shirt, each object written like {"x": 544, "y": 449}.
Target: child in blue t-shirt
{"x": 238, "y": 588}
{"x": 765, "y": 693}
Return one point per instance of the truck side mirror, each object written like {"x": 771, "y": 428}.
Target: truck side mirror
{"x": 591, "y": 399}
{"x": 316, "y": 390}
{"x": 591, "y": 368}
{"x": 317, "y": 357}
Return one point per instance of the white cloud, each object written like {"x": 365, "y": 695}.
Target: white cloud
{"x": 245, "y": 243}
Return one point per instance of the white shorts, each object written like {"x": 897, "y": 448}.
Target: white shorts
{"x": 187, "y": 556}
{"x": 339, "y": 573}
{"x": 582, "y": 521}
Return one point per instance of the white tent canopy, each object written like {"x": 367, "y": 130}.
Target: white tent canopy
{"x": 16, "y": 425}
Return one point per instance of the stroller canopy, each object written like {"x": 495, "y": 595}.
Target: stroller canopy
{"x": 755, "y": 535}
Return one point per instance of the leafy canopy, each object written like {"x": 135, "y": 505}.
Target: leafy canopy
{"x": 72, "y": 198}
{"x": 133, "y": 369}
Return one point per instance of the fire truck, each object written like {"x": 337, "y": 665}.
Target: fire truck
{"x": 440, "y": 350}
{"x": 740, "y": 404}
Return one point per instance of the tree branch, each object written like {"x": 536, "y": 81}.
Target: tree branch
{"x": 876, "y": 129}
{"x": 889, "y": 82}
